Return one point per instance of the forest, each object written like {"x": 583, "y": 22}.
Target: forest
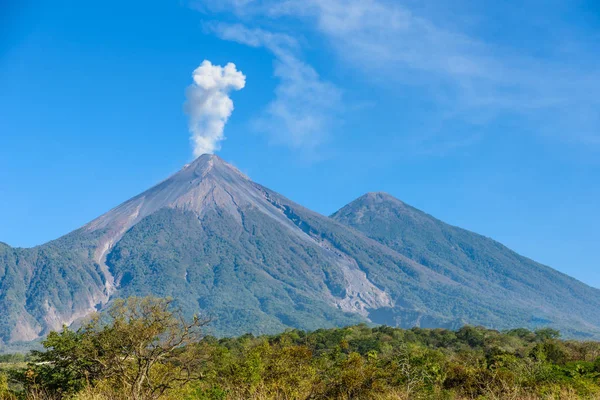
{"x": 145, "y": 348}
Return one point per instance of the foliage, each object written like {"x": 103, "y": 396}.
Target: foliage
{"x": 14, "y": 358}
{"x": 102, "y": 361}
{"x": 141, "y": 348}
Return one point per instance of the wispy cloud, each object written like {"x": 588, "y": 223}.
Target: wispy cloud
{"x": 305, "y": 106}
{"x": 463, "y": 75}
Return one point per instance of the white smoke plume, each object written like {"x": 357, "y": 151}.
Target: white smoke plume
{"x": 209, "y": 106}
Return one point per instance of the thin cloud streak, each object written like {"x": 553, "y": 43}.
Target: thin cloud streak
{"x": 305, "y": 107}
{"x": 464, "y": 76}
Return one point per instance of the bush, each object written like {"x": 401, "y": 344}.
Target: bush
{"x": 145, "y": 350}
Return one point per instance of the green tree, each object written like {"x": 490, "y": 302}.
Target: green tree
{"x": 547, "y": 334}
{"x": 5, "y": 393}
{"x": 142, "y": 347}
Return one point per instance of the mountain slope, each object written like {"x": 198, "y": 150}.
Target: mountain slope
{"x": 257, "y": 262}
{"x": 477, "y": 262}
{"x": 207, "y": 236}
{"x": 47, "y": 286}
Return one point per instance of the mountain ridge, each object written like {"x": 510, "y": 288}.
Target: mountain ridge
{"x": 396, "y": 225}
{"x": 220, "y": 243}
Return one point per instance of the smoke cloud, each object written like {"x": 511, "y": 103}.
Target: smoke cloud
{"x": 209, "y": 106}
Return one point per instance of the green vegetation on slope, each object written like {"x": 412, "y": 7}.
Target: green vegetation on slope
{"x": 56, "y": 279}
{"x": 531, "y": 294}
{"x": 252, "y": 277}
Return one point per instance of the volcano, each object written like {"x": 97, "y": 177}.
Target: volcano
{"x": 226, "y": 247}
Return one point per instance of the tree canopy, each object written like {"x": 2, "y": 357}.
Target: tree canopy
{"x": 144, "y": 349}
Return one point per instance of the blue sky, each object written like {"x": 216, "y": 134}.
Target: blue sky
{"x": 484, "y": 114}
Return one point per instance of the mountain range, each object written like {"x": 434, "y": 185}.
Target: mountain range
{"x": 254, "y": 261}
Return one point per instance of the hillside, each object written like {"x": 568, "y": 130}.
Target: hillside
{"x": 254, "y": 261}
{"x": 548, "y": 296}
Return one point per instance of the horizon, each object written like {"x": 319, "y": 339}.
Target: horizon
{"x": 490, "y": 130}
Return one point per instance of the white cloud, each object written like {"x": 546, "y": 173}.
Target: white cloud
{"x": 304, "y": 109}
{"x": 463, "y": 75}
{"x": 209, "y": 105}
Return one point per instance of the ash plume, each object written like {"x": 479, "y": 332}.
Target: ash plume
{"x": 209, "y": 106}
